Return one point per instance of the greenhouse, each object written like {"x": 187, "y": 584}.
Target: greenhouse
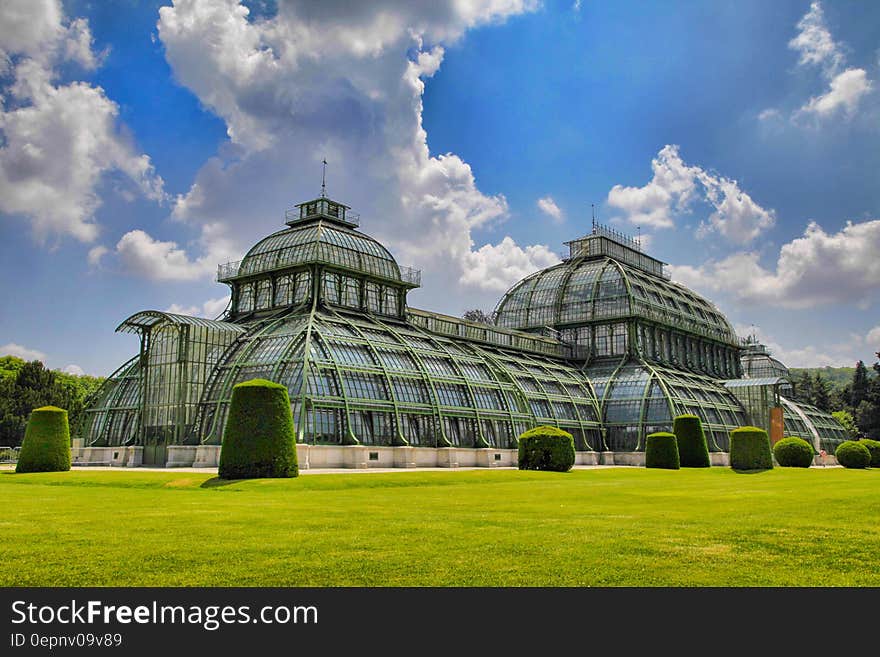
{"x": 603, "y": 345}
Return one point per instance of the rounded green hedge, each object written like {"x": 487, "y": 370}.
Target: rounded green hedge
{"x": 546, "y": 448}
{"x": 793, "y": 453}
{"x": 750, "y": 449}
{"x": 46, "y": 445}
{"x": 692, "y": 448}
{"x": 853, "y": 454}
{"x": 259, "y": 439}
{"x": 661, "y": 451}
{"x": 874, "y": 448}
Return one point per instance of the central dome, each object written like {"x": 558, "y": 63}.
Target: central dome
{"x": 321, "y": 241}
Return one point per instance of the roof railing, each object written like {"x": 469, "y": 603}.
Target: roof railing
{"x": 294, "y": 215}
{"x": 617, "y": 236}
{"x": 227, "y": 271}
{"x": 411, "y": 275}
{"x": 230, "y": 270}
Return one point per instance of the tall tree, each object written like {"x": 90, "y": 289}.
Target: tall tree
{"x": 803, "y": 388}
{"x": 840, "y": 398}
{"x": 868, "y": 411}
{"x": 859, "y": 388}
{"x": 821, "y": 393}
{"x": 31, "y": 385}
{"x": 849, "y": 423}
{"x": 479, "y": 316}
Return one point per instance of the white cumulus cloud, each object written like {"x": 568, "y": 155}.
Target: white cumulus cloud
{"x": 847, "y": 89}
{"x": 674, "y": 190}
{"x": 816, "y": 269}
{"x": 548, "y": 206}
{"x": 210, "y": 309}
{"x": 818, "y": 48}
{"x": 58, "y": 140}
{"x": 73, "y": 369}
{"x": 844, "y": 353}
{"x": 145, "y": 256}
{"x": 497, "y": 267}
{"x": 17, "y": 350}
{"x": 815, "y": 43}
{"x": 342, "y": 81}
{"x": 96, "y": 253}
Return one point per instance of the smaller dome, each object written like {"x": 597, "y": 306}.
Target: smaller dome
{"x": 581, "y": 290}
{"x": 321, "y": 241}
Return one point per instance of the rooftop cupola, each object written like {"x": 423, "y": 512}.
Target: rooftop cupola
{"x": 607, "y": 242}
{"x": 321, "y": 208}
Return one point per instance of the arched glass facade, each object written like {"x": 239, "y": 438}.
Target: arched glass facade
{"x": 603, "y": 345}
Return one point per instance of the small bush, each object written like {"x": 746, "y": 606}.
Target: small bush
{"x": 692, "y": 448}
{"x": 259, "y": 439}
{"x": 874, "y": 448}
{"x": 661, "y": 451}
{"x": 546, "y": 448}
{"x": 853, "y": 454}
{"x": 793, "y": 453}
{"x": 750, "y": 449}
{"x": 46, "y": 445}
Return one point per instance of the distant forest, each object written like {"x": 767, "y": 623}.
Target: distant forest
{"x": 836, "y": 376}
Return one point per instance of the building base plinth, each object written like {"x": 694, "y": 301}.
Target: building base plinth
{"x": 181, "y": 456}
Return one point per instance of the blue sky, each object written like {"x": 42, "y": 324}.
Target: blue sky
{"x": 143, "y": 143}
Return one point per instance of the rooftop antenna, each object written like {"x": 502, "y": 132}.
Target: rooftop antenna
{"x": 324, "y": 180}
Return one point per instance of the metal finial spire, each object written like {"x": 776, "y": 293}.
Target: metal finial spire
{"x": 639, "y": 238}
{"x": 593, "y": 207}
{"x": 324, "y": 179}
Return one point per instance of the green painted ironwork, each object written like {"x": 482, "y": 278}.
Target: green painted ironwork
{"x": 604, "y": 346}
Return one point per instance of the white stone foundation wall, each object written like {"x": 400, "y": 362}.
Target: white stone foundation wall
{"x": 126, "y": 457}
{"x": 181, "y": 456}
{"x": 362, "y": 457}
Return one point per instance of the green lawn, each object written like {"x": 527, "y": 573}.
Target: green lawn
{"x": 609, "y": 527}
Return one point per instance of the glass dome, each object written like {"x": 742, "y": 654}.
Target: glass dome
{"x": 320, "y": 241}
{"x": 581, "y": 290}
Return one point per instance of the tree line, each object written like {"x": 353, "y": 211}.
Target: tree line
{"x": 25, "y": 386}
{"x": 856, "y": 404}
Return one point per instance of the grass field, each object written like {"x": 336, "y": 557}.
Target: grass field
{"x": 601, "y": 527}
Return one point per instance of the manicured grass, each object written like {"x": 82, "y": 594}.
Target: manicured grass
{"x": 602, "y": 527}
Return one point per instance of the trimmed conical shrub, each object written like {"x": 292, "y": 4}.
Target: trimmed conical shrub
{"x": 46, "y": 445}
{"x": 693, "y": 451}
{"x": 661, "y": 451}
{"x": 793, "y": 453}
{"x": 853, "y": 454}
{"x": 750, "y": 449}
{"x": 259, "y": 439}
{"x": 546, "y": 448}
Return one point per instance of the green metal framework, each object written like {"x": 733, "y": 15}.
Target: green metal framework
{"x": 611, "y": 300}
{"x": 813, "y": 425}
{"x": 757, "y": 362}
{"x": 602, "y": 345}
{"x": 361, "y": 380}
{"x": 638, "y": 398}
{"x": 803, "y": 420}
